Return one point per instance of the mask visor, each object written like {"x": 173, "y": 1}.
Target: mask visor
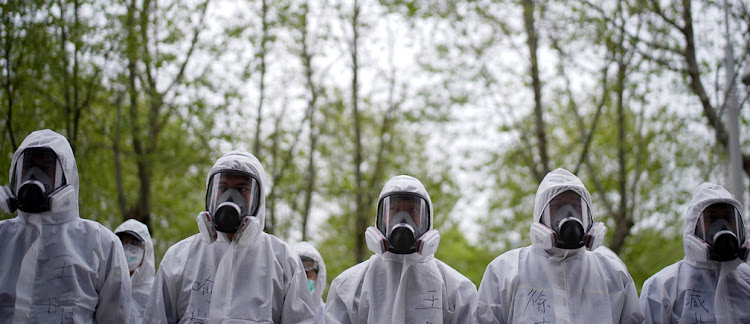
{"x": 719, "y": 217}
{"x": 38, "y": 164}
{"x": 245, "y": 188}
{"x": 405, "y": 208}
{"x": 566, "y": 204}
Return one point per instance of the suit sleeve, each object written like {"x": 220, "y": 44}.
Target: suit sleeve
{"x": 491, "y": 303}
{"x": 114, "y": 283}
{"x": 337, "y": 311}
{"x": 631, "y": 310}
{"x": 298, "y": 303}
{"x": 466, "y": 299}
{"x": 162, "y": 303}
{"x": 652, "y": 303}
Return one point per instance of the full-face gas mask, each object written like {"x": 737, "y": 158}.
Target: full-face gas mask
{"x": 402, "y": 218}
{"x": 38, "y": 183}
{"x": 566, "y": 223}
{"x": 720, "y": 226}
{"x": 231, "y": 196}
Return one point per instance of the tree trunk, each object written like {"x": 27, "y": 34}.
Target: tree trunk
{"x": 696, "y": 85}
{"x": 8, "y": 85}
{"x": 138, "y": 53}
{"x": 310, "y": 181}
{"x": 73, "y": 130}
{"x": 384, "y": 144}
{"x": 532, "y": 40}
{"x": 307, "y": 63}
{"x": 121, "y": 197}
{"x": 732, "y": 110}
{"x": 141, "y": 206}
{"x": 262, "y": 86}
{"x": 622, "y": 219}
{"x": 360, "y": 217}
{"x": 276, "y": 172}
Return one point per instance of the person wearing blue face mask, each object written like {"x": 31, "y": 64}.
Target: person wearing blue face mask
{"x": 139, "y": 253}
{"x": 315, "y": 270}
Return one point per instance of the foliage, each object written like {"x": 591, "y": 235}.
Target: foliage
{"x": 663, "y": 250}
{"x": 150, "y": 93}
{"x": 456, "y": 251}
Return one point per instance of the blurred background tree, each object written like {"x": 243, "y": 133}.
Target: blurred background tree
{"x": 478, "y": 99}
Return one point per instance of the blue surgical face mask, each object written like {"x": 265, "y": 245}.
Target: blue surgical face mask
{"x": 134, "y": 256}
{"x": 311, "y": 284}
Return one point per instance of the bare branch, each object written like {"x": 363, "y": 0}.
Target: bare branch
{"x": 661, "y": 62}
{"x": 193, "y": 44}
{"x": 656, "y": 8}
{"x": 90, "y": 86}
{"x": 49, "y": 97}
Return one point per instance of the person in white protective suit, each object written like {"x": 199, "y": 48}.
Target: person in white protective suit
{"x": 315, "y": 270}
{"x": 556, "y": 279}
{"x": 403, "y": 282}
{"x": 139, "y": 252}
{"x": 712, "y": 283}
{"x": 231, "y": 271}
{"x": 56, "y": 267}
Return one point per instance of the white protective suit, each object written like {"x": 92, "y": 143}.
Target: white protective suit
{"x": 57, "y": 267}
{"x": 401, "y": 288}
{"x": 143, "y": 276}
{"x": 697, "y": 289}
{"x": 256, "y": 278}
{"x": 308, "y": 250}
{"x": 535, "y": 284}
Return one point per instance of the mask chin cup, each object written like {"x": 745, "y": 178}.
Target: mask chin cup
{"x": 227, "y": 217}
{"x": 542, "y": 236}
{"x": 8, "y": 202}
{"x": 571, "y": 234}
{"x": 725, "y": 246}
{"x": 402, "y": 240}
{"x": 375, "y": 240}
{"x": 695, "y": 248}
{"x": 595, "y": 236}
{"x": 428, "y": 243}
{"x": 31, "y": 197}
{"x": 206, "y": 228}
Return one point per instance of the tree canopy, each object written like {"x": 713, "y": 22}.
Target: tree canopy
{"x": 477, "y": 99}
